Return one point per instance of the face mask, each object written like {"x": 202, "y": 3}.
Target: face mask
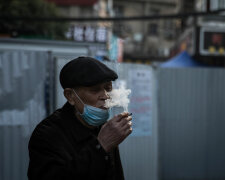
{"x": 92, "y": 115}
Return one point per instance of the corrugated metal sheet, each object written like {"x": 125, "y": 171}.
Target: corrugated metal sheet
{"x": 191, "y": 123}
{"x": 190, "y": 110}
{"x": 22, "y": 97}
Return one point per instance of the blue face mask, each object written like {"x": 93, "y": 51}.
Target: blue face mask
{"x": 92, "y": 115}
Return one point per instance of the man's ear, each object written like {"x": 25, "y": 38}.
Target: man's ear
{"x": 69, "y": 95}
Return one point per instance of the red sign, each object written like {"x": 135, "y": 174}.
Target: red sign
{"x": 212, "y": 41}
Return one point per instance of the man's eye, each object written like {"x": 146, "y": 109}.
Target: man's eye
{"x": 108, "y": 89}
{"x": 95, "y": 90}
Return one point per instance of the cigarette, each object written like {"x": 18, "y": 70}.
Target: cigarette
{"x": 130, "y": 114}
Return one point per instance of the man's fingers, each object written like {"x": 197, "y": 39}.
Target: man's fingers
{"x": 121, "y": 115}
{"x": 124, "y": 121}
{"x": 129, "y": 131}
{"x": 126, "y": 126}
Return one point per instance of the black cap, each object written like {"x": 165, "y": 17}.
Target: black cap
{"x": 85, "y": 71}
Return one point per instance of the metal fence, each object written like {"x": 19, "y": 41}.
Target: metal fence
{"x": 179, "y": 135}
{"x": 191, "y": 123}
{"x": 22, "y": 97}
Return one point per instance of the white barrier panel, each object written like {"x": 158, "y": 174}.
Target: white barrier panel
{"x": 22, "y": 97}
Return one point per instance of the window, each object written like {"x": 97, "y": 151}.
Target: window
{"x": 118, "y": 10}
{"x": 153, "y": 29}
{"x": 169, "y": 29}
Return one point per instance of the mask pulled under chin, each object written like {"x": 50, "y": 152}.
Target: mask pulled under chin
{"x": 92, "y": 115}
{"x": 95, "y": 116}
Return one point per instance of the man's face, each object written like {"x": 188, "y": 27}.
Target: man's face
{"x": 95, "y": 95}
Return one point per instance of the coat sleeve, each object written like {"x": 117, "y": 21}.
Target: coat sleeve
{"x": 50, "y": 160}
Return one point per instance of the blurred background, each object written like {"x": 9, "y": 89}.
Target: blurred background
{"x": 170, "y": 53}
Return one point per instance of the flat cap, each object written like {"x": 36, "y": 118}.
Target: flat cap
{"x": 85, "y": 71}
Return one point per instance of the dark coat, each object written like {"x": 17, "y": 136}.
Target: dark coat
{"x": 61, "y": 148}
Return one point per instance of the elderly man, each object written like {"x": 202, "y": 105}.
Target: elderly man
{"x": 79, "y": 141}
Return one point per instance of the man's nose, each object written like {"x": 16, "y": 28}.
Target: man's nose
{"x": 105, "y": 95}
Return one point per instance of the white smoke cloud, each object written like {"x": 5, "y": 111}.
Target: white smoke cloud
{"x": 119, "y": 98}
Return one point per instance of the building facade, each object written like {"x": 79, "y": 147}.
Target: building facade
{"x": 203, "y": 37}
{"x": 143, "y": 40}
{"x": 146, "y": 40}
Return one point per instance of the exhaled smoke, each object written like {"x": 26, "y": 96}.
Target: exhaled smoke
{"x": 119, "y": 98}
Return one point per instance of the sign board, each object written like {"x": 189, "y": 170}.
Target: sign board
{"x": 212, "y": 41}
{"x": 116, "y": 49}
{"x": 141, "y": 101}
{"x": 87, "y": 34}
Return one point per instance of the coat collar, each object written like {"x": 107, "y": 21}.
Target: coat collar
{"x": 79, "y": 131}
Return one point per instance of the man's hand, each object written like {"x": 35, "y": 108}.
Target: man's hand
{"x": 115, "y": 131}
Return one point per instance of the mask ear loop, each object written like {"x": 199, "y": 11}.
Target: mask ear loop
{"x": 78, "y": 98}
